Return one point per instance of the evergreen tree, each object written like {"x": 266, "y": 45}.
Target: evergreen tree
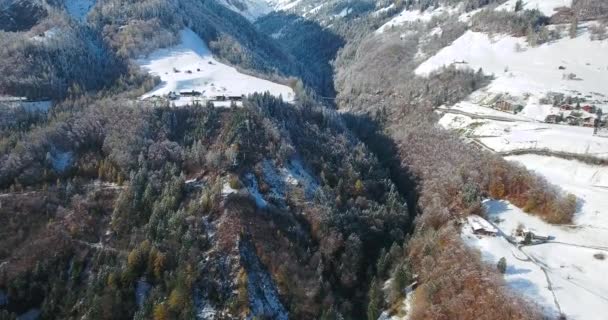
{"x": 502, "y": 265}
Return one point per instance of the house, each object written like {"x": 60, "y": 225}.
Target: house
{"x": 588, "y": 108}
{"x": 573, "y": 120}
{"x": 506, "y": 106}
{"x": 235, "y": 98}
{"x": 566, "y": 107}
{"x": 481, "y": 226}
{"x": 190, "y": 93}
{"x": 588, "y": 121}
{"x": 172, "y": 96}
{"x": 552, "y": 118}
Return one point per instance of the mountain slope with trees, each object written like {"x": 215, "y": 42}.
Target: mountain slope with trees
{"x": 113, "y": 208}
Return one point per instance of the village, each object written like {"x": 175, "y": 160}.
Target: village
{"x": 559, "y": 109}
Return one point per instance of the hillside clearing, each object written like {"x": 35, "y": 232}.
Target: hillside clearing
{"x": 190, "y": 66}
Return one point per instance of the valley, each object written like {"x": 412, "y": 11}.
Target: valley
{"x": 291, "y": 159}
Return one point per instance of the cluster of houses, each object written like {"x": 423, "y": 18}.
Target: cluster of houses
{"x": 482, "y": 227}
{"x": 197, "y": 94}
{"x": 193, "y": 96}
{"x": 25, "y": 103}
{"x": 586, "y": 116}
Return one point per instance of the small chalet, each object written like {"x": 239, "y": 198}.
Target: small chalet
{"x": 506, "y": 106}
{"x": 573, "y": 121}
{"x": 235, "y": 98}
{"x": 481, "y": 226}
{"x": 588, "y": 121}
{"x": 190, "y": 93}
{"x": 172, "y": 96}
{"x": 566, "y": 107}
{"x": 552, "y": 118}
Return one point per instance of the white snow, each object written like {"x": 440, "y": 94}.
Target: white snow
{"x": 142, "y": 289}
{"x": 283, "y": 5}
{"x": 416, "y": 16}
{"x": 213, "y": 79}
{"x": 254, "y": 190}
{"x": 250, "y": 9}
{"x": 344, "y": 13}
{"x": 547, "y": 7}
{"x": 501, "y": 136}
{"x": 576, "y": 275}
{"x": 79, "y": 8}
{"x": 532, "y": 70}
{"x": 578, "y": 278}
{"x": 588, "y": 182}
{"x": 61, "y": 160}
{"x": 228, "y": 190}
{"x": 382, "y": 10}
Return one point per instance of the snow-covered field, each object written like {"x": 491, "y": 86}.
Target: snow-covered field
{"x": 520, "y": 69}
{"x": 501, "y": 136}
{"x": 547, "y": 7}
{"x": 416, "y": 15}
{"x": 573, "y": 259}
{"x": 588, "y": 182}
{"x": 564, "y": 275}
{"x": 190, "y": 66}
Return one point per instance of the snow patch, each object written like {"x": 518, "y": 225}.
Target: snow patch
{"x": 79, "y": 9}
{"x": 142, "y": 289}
{"x": 547, "y": 7}
{"x": 407, "y": 16}
{"x": 250, "y": 9}
{"x": 254, "y": 190}
{"x": 264, "y": 300}
{"x": 61, "y": 160}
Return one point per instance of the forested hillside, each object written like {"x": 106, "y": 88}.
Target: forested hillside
{"x": 119, "y": 203}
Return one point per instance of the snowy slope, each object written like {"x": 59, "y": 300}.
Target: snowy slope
{"x": 250, "y": 9}
{"x": 588, "y": 182}
{"x": 79, "y": 8}
{"x": 416, "y": 16}
{"x": 283, "y": 5}
{"x": 532, "y": 70}
{"x": 547, "y": 7}
{"x": 205, "y": 75}
{"x": 574, "y": 277}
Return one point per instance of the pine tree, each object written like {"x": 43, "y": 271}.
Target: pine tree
{"x": 574, "y": 27}
{"x": 519, "y": 5}
{"x": 375, "y": 301}
{"x": 502, "y": 265}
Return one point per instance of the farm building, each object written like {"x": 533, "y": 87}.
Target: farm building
{"x": 190, "y": 93}
{"x": 588, "y": 121}
{"x": 481, "y": 226}
{"x": 552, "y": 118}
